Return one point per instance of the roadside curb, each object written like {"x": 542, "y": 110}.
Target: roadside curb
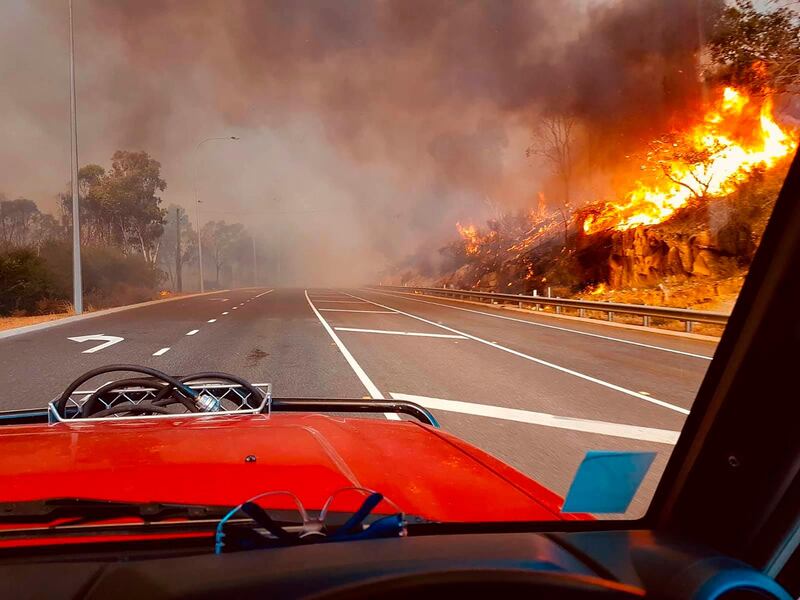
{"x": 99, "y": 313}
{"x": 680, "y": 334}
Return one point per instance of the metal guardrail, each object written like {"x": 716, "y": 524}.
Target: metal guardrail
{"x": 583, "y": 307}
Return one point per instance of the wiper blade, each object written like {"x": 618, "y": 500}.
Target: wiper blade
{"x": 90, "y": 509}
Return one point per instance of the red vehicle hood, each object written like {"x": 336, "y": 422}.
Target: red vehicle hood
{"x": 425, "y": 471}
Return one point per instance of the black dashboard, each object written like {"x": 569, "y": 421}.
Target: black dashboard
{"x": 601, "y": 564}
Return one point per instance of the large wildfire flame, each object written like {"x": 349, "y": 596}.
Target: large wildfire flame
{"x": 472, "y": 241}
{"x": 711, "y": 158}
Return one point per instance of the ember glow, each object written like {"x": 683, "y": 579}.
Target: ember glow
{"x": 738, "y": 135}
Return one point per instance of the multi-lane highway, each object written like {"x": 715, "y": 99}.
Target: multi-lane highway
{"x": 536, "y": 390}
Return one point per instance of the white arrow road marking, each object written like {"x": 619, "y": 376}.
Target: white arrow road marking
{"x": 633, "y": 432}
{"x": 108, "y": 340}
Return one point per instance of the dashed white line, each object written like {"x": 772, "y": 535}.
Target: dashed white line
{"x": 632, "y": 432}
{"x": 373, "y": 390}
{"x": 369, "y": 312}
{"x": 192, "y": 332}
{"x": 160, "y": 352}
{"x": 211, "y": 321}
{"x": 235, "y": 307}
{"x": 535, "y": 324}
{"x": 262, "y": 293}
{"x": 545, "y": 363}
{"x": 225, "y": 313}
{"x": 409, "y": 333}
{"x": 340, "y": 301}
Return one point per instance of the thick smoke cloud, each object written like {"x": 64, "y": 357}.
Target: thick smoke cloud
{"x": 367, "y": 128}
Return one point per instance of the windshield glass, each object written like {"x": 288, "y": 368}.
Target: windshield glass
{"x": 532, "y": 219}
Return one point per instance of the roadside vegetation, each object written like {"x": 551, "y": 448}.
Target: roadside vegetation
{"x": 132, "y": 248}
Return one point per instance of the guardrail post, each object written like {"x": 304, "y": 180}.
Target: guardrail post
{"x": 558, "y": 309}
{"x": 688, "y": 326}
{"x": 646, "y": 320}
{"x": 610, "y": 316}
{"x": 581, "y": 312}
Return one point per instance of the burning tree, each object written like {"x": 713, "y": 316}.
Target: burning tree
{"x": 671, "y": 154}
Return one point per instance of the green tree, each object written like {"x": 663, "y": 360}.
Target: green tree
{"x": 24, "y": 281}
{"x": 16, "y": 219}
{"x": 129, "y": 190}
{"x": 759, "y": 51}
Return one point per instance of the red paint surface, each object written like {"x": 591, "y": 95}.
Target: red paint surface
{"x": 425, "y": 471}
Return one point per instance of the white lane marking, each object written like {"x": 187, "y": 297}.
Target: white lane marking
{"x": 632, "y": 432}
{"x": 160, "y": 352}
{"x": 235, "y": 307}
{"x": 370, "y": 312}
{"x": 410, "y": 333}
{"x": 242, "y": 304}
{"x": 542, "y": 362}
{"x": 218, "y": 299}
{"x": 341, "y": 301}
{"x": 262, "y": 293}
{"x": 192, "y": 332}
{"x": 579, "y": 332}
{"x": 371, "y": 387}
{"x": 225, "y": 299}
{"x": 108, "y": 340}
{"x": 211, "y": 321}
{"x": 225, "y": 313}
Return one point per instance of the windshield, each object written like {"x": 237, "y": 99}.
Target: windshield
{"x": 531, "y": 219}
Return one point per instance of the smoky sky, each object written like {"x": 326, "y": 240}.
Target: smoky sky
{"x": 367, "y": 128}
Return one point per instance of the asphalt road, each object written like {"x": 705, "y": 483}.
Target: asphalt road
{"x": 537, "y": 391}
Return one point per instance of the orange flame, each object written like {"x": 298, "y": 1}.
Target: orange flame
{"x": 471, "y": 238}
{"x": 600, "y": 289}
{"x": 714, "y": 156}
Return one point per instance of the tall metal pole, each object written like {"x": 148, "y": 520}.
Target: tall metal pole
{"x": 197, "y": 206}
{"x": 178, "y": 251}
{"x": 77, "y": 283}
{"x": 255, "y": 262}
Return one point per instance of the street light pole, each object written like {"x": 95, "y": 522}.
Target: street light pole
{"x": 77, "y": 284}
{"x": 255, "y": 263}
{"x": 197, "y": 206}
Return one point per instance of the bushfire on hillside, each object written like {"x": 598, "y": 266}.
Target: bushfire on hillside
{"x": 711, "y": 157}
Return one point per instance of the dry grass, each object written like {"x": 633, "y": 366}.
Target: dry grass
{"x": 12, "y": 322}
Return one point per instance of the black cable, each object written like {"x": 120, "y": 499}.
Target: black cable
{"x": 61, "y": 402}
{"x": 170, "y": 390}
{"x": 92, "y": 403}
